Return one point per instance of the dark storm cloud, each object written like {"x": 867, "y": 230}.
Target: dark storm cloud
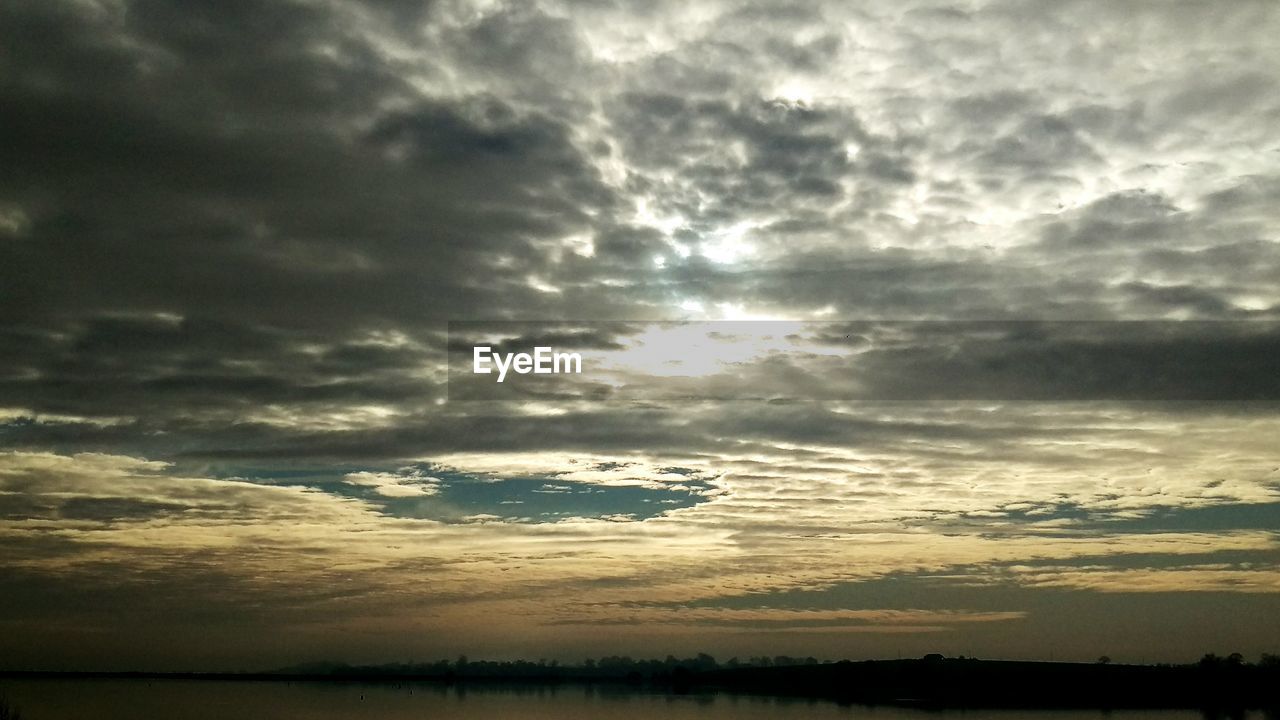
{"x": 700, "y": 428}
{"x": 220, "y": 202}
{"x": 237, "y": 161}
{"x": 1074, "y": 361}
{"x": 165, "y": 368}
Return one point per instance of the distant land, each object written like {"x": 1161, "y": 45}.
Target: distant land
{"x": 931, "y": 681}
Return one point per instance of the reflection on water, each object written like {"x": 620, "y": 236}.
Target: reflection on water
{"x": 200, "y": 700}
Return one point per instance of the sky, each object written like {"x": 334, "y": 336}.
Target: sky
{"x": 908, "y": 327}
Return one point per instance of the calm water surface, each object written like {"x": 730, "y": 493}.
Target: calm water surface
{"x": 200, "y": 700}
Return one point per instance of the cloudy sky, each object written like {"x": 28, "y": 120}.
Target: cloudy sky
{"x": 909, "y": 327}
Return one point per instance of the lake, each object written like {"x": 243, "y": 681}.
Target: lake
{"x": 80, "y": 699}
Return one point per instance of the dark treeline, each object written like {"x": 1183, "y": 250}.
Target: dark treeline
{"x": 1215, "y": 681}
{"x": 1226, "y": 682}
{"x": 613, "y": 667}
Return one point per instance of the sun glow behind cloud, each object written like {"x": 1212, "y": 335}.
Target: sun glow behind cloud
{"x": 700, "y": 349}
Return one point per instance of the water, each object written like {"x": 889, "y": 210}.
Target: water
{"x": 53, "y": 699}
